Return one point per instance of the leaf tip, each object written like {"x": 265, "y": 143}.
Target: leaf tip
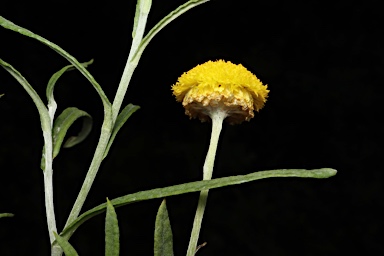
{"x": 326, "y": 172}
{"x": 6, "y": 215}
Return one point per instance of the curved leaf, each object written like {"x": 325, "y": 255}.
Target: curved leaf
{"x": 60, "y": 127}
{"x": 120, "y": 120}
{"x": 2, "y": 215}
{"x": 51, "y": 85}
{"x": 63, "y": 122}
{"x": 163, "y": 233}
{"x": 194, "y": 187}
{"x": 112, "y": 244}
{"x": 29, "y": 89}
{"x": 65, "y": 245}
{"x": 11, "y": 26}
{"x": 45, "y": 120}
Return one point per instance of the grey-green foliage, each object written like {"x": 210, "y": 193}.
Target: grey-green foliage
{"x": 195, "y": 187}
{"x": 163, "y": 245}
{"x": 64, "y": 121}
{"x": 43, "y": 111}
{"x": 65, "y": 245}
{"x": 10, "y": 25}
{"x": 62, "y": 124}
{"x": 3, "y": 215}
{"x": 120, "y": 121}
{"x": 164, "y": 22}
{"x": 112, "y": 244}
{"x": 112, "y": 123}
{"x": 52, "y": 83}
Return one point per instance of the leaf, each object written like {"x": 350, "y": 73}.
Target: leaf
{"x": 163, "y": 233}
{"x": 165, "y": 21}
{"x": 1, "y": 95}
{"x": 120, "y": 120}
{"x": 3, "y": 215}
{"x": 112, "y": 245}
{"x": 28, "y": 88}
{"x": 11, "y": 26}
{"x": 62, "y": 123}
{"x": 194, "y": 187}
{"x": 142, "y": 7}
{"x": 136, "y": 18}
{"x": 43, "y": 111}
{"x": 65, "y": 245}
{"x": 51, "y": 85}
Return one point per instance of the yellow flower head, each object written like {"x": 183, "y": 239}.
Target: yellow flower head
{"x": 220, "y": 84}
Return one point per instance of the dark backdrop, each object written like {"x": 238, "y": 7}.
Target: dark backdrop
{"x": 324, "y": 66}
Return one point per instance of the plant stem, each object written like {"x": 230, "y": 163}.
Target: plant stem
{"x": 93, "y": 168}
{"x": 48, "y": 187}
{"x": 46, "y": 125}
{"x": 110, "y": 115}
{"x": 217, "y": 117}
{"x": 49, "y": 207}
{"x": 56, "y": 250}
{"x": 106, "y": 131}
{"x": 131, "y": 64}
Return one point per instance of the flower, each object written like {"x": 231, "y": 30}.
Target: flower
{"x": 220, "y": 85}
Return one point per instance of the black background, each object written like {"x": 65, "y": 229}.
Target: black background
{"x": 324, "y": 66}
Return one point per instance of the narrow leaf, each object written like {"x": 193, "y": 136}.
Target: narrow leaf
{"x": 136, "y": 19}
{"x": 51, "y": 85}
{"x": 142, "y": 10}
{"x": 61, "y": 125}
{"x": 112, "y": 245}
{"x": 73, "y": 116}
{"x": 120, "y": 120}
{"x": 194, "y": 187}
{"x": 3, "y": 215}
{"x": 63, "y": 122}
{"x": 165, "y": 21}
{"x": 45, "y": 120}
{"x": 28, "y": 88}
{"x": 10, "y": 25}
{"x": 163, "y": 233}
{"x": 65, "y": 245}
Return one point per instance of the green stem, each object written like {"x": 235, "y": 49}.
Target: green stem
{"x": 110, "y": 115}
{"x": 130, "y": 66}
{"x": 106, "y": 131}
{"x": 93, "y": 168}
{"x": 217, "y": 117}
{"x": 48, "y": 187}
{"x": 56, "y": 250}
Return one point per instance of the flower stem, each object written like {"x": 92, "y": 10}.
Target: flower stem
{"x": 217, "y": 117}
